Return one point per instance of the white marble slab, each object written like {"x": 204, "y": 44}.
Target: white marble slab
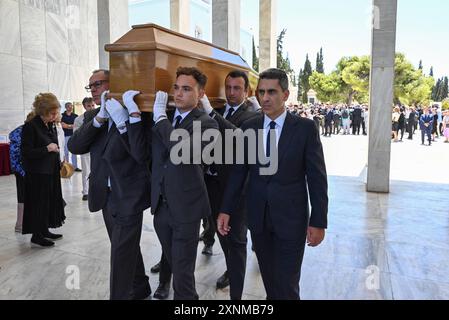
{"x": 58, "y": 80}
{"x": 78, "y": 78}
{"x": 58, "y": 7}
{"x": 11, "y": 89}
{"x": 9, "y": 27}
{"x": 34, "y": 80}
{"x": 38, "y": 4}
{"x": 57, "y": 38}
{"x": 10, "y": 119}
{"x": 92, "y": 34}
{"x": 32, "y": 27}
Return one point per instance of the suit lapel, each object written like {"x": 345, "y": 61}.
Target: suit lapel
{"x": 187, "y": 122}
{"x": 286, "y": 136}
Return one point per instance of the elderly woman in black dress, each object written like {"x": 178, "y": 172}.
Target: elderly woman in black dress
{"x": 43, "y": 205}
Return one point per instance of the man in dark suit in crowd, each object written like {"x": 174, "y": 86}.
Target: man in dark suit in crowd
{"x": 277, "y": 204}
{"x": 411, "y": 123}
{"x": 179, "y": 194}
{"x": 356, "y": 120}
{"x": 328, "y": 121}
{"x": 426, "y": 125}
{"x": 119, "y": 183}
{"x": 231, "y": 116}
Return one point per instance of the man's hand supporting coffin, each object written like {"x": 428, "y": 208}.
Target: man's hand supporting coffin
{"x": 160, "y": 106}
{"x": 118, "y": 114}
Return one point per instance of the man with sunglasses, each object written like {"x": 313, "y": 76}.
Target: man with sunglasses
{"x": 119, "y": 183}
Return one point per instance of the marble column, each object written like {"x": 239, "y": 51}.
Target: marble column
{"x": 381, "y": 94}
{"x": 267, "y": 34}
{"x": 113, "y": 22}
{"x": 180, "y": 16}
{"x": 226, "y": 24}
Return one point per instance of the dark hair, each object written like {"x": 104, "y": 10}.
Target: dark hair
{"x": 105, "y": 71}
{"x": 68, "y": 104}
{"x": 87, "y": 100}
{"x": 200, "y": 77}
{"x": 239, "y": 74}
{"x": 276, "y": 74}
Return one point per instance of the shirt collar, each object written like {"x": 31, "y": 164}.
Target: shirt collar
{"x": 235, "y": 108}
{"x": 279, "y": 120}
{"x": 183, "y": 115}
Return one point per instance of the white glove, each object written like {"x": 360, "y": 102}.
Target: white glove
{"x": 128, "y": 100}
{"x": 254, "y": 102}
{"x": 103, "y": 114}
{"x": 205, "y": 103}
{"x": 160, "y": 106}
{"x": 117, "y": 113}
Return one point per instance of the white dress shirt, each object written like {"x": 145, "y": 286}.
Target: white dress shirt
{"x": 279, "y": 125}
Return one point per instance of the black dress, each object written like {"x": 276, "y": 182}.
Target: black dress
{"x": 43, "y": 205}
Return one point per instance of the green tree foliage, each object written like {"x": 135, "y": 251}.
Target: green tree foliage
{"x": 320, "y": 62}
{"x": 300, "y": 76}
{"x": 351, "y": 81}
{"x": 255, "y": 58}
{"x": 327, "y": 87}
{"x": 445, "y": 104}
{"x": 282, "y": 63}
{"x": 304, "y": 79}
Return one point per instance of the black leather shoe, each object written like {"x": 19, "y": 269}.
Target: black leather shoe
{"x": 156, "y": 268}
{"x": 52, "y": 236}
{"x": 78, "y": 170}
{"x": 223, "y": 281}
{"x": 41, "y": 241}
{"x": 85, "y": 197}
{"x": 207, "y": 250}
{"x": 162, "y": 291}
{"x": 141, "y": 293}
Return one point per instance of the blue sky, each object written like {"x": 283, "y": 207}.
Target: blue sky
{"x": 343, "y": 28}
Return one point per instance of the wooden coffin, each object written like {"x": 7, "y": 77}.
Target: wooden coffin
{"x": 146, "y": 59}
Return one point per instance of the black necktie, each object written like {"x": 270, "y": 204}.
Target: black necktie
{"x": 230, "y": 113}
{"x": 272, "y": 126}
{"x": 178, "y": 122}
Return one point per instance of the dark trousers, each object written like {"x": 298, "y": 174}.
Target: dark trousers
{"x": 356, "y": 127}
{"x": 328, "y": 127}
{"x": 179, "y": 245}
{"x": 165, "y": 270}
{"x": 411, "y": 129}
{"x": 427, "y": 131}
{"x": 234, "y": 244}
{"x": 127, "y": 268}
{"x": 336, "y": 127}
{"x": 363, "y": 126}
{"x": 279, "y": 261}
{"x": 209, "y": 231}
{"x": 402, "y": 131}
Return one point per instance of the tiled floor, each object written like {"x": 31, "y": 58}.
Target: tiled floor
{"x": 378, "y": 246}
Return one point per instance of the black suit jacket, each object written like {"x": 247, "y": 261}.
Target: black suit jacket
{"x": 301, "y": 174}
{"x": 36, "y": 136}
{"x": 123, "y": 158}
{"x": 181, "y": 184}
{"x": 243, "y": 113}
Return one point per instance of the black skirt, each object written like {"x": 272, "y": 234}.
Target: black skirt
{"x": 43, "y": 206}
{"x": 20, "y": 187}
{"x": 395, "y": 126}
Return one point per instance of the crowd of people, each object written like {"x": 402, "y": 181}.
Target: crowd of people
{"x": 432, "y": 122}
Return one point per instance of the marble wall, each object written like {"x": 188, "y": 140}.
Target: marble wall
{"x": 45, "y": 46}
